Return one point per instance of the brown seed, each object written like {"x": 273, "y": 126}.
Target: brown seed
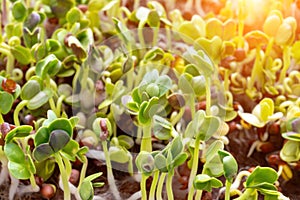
{"x": 266, "y": 147}
{"x": 274, "y": 128}
{"x": 232, "y": 126}
{"x": 176, "y": 101}
{"x": 4, "y": 128}
{"x": 251, "y": 169}
{"x": 29, "y": 120}
{"x": 9, "y": 85}
{"x": 201, "y": 105}
{"x": 83, "y": 7}
{"x": 275, "y": 159}
{"x": 226, "y": 61}
{"x": 184, "y": 180}
{"x": 240, "y": 54}
{"x": 48, "y": 191}
{"x": 74, "y": 176}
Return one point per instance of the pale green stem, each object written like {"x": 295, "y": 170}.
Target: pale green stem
{"x": 256, "y": 71}
{"x": 141, "y": 35}
{"x": 59, "y": 104}
{"x": 19, "y": 107}
{"x": 169, "y": 185}
{"x": 178, "y": 116}
{"x": 64, "y": 177}
{"x": 227, "y": 191}
{"x": 194, "y": 169}
{"x": 208, "y": 95}
{"x": 110, "y": 175}
{"x": 154, "y": 185}
{"x": 53, "y": 107}
{"x": 5, "y": 49}
{"x": 143, "y": 187}
{"x": 240, "y": 23}
{"x": 169, "y": 37}
{"x": 146, "y": 144}
{"x": 155, "y": 35}
{"x": 83, "y": 170}
{"x": 286, "y": 63}
{"x": 1, "y": 118}
{"x": 32, "y": 181}
{"x": 68, "y": 166}
{"x": 192, "y": 105}
{"x": 160, "y": 186}
{"x": 198, "y": 194}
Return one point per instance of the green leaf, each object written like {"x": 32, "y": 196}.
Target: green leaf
{"x": 154, "y": 54}
{"x": 62, "y": 124}
{"x": 153, "y": 19}
{"x": 30, "y": 39}
{"x": 161, "y": 163}
{"x": 162, "y": 128}
{"x": 45, "y": 169}
{"x": 6, "y": 102}
{"x": 214, "y": 167}
{"x": 42, "y": 136}
{"x": 42, "y": 152}
{"x": 86, "y": 190}
{"x": 22, "y": 54}
{"x": 118, "y": 154}
{"x": 205, "y": 182}
{"x": 290, "y": 151}
{"x": 30, "y": 89}
{"x": 230, "y": 165}
{"x": 19, "y": 11}
{"x": 39, "y": 99}
{"x": 180, "y": 159}
{"x": 213, "y": 150}
{"x": 20, "y": 131}
{"x": 125, "y": 141}
{"x": 14, "y": 153}
{"x": 261, "y": 175}
{"x": 164, "y": 83}
{"x": 18, "y": 170}
{"x": 73, "y": 15}
{"x": 71, "y": 150}
{"x": 141, "y": 116}
{"x": 93, "y": 176}
{"x": 49, "y": 66}
{"x": 292, "y": 136}
{"x": 209, "y": 126}
{"x": 58, "y": 139}
{"x": 145, "y": 163}
{"x": 52, "y": 45}
{"x": 176, "y": 146}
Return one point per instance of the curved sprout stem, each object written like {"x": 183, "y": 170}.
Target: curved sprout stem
{"x": 83, "y": 170}
{"x": 143, "y": 187}
{"x": 194, "y": 169}
{"x": 146, "y": 144}
{"x": 286, "y": 63}
{"x": 64, "y": 177}
{"x": 227, "y": 192}
{"x": 154, "y": 185}
{"x": 160, "y": 186}
{"x": 19, "y": 107}
{"x": 169, "y": 185}
{"x": 110, "y": 175}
